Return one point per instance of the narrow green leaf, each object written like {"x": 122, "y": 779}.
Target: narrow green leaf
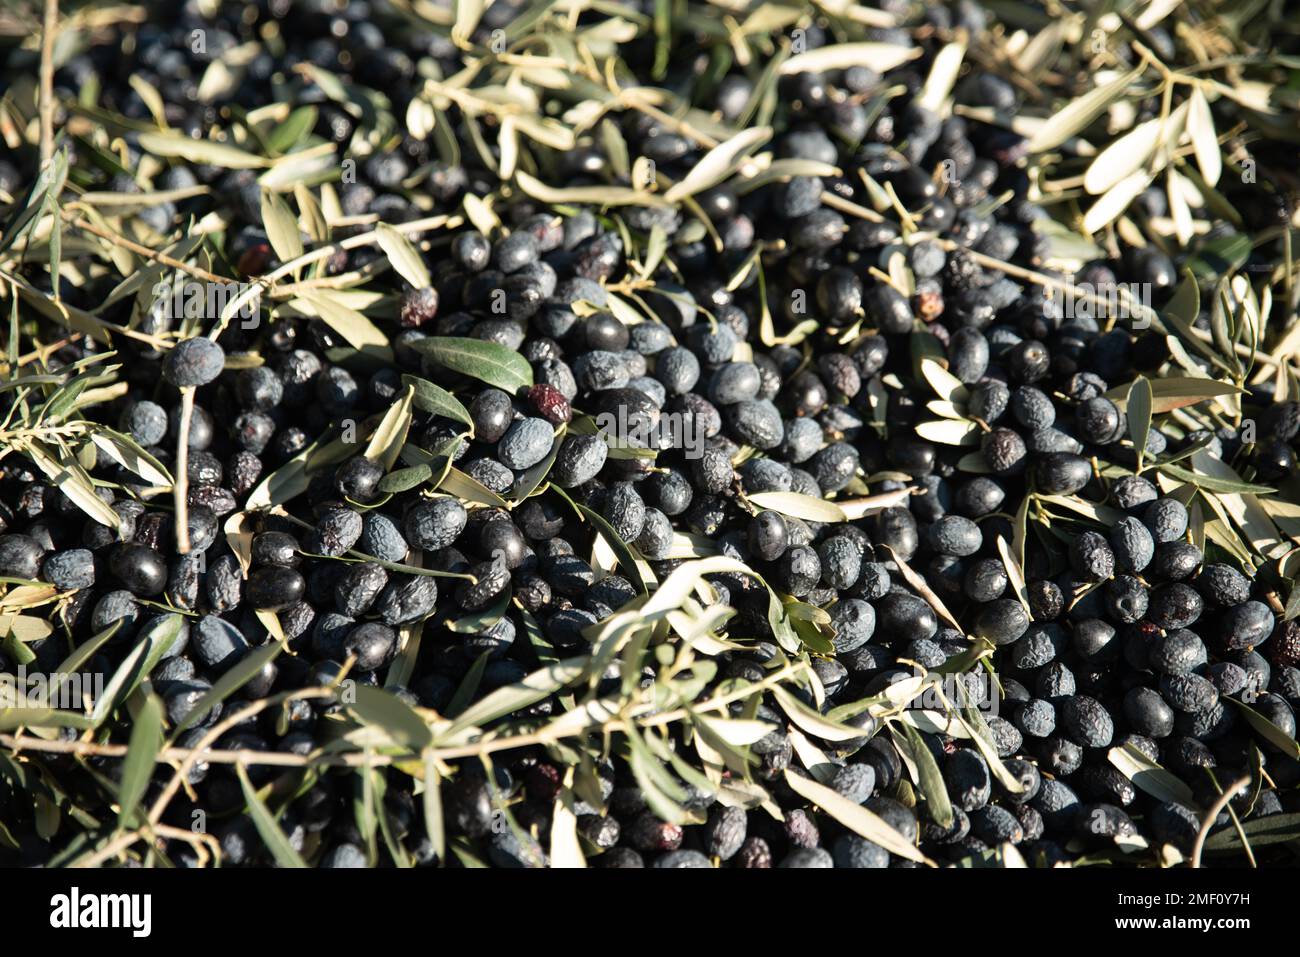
{"x": 141, "y": 755}
{"x": 855, "y": 817}
{"x": 281, "y": 226}
{"x": 488, "y": 362}
{"x": 1150, "y": 776}
{"x": 378, "y": 707}
{"x": 1077, "y": 115}
{"x": 200, "y": 151}
{"x": 266, "y": 825}
{"x": 437, "y": 400}
{"x": 242, "y": 672}
{"x": 1139, "y": 415}
{"x": 929, "y": 779}
{"x": 404, "y": 257}
{"x": 433, "y": 819}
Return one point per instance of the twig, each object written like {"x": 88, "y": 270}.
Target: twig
{"x": 268, "y": 281}
{"x": 1213, "y": 813}
{"x": 140, "y": 250}
{"x": 47, "y": 80}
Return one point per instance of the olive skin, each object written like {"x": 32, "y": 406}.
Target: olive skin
{"x": 140, "y": 568}
{"x": 274, "y": 588}
{"x": 1060, "y": 473}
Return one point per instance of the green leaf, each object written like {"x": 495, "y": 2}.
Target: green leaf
{"x": 266, "y": 825}
{"x": 522, "y": 694}
{"x": 477, "y": 622}
{"x": 405, "y": 479}
{"x": 200, "y": 151}
{"x": 597, "y": 195}
{"x": 242, "y": 672}
{"x": 529, "y": 481}
{"x": 73, "y": 481}
{"x": 1176, "y": 392}
{"x": 124, "y": 450}
{"x": 855, "y": 817}
{"x": 377, "y": 707}
{"x": 811, "y": 721}
{"x": 799, "y": 506}
{"x": 663, "y": 794}
{"x": 437, "y": 400}
{"x": 879, "y": 57}
{"x": 470, "y": 489}
{"x": 11, "y": 718}
{"x": 1140, "y": 402}
{"x": 404, "y": 257}
{"x": 1078, "y": 115}
{"x": 488, "y": 362}
{"x": 127, "y": 675}
{"x": 390, "y": 435}
{"x": 929, "y": 779}
{"x": 141, "y": 755}
{"x": 718, "y": 163}
{"x": 1268, "y": 730}
{"x": 1205, "y": 143}
{"x": 1221, "y": 255}
{"x": 358, "y": 331}
{"x": 1150, "y": 776}
{"x": 285, "y": 136}
{"x": 468, "y": 686}
{"x": 86, "y": 650}
{"x": 1214, "y": 484}
{"x": 1262, "y": 831}
{"x": 635, "y": 567}
{"x": 433, "y": 819}
{"x": 281, "y": 226}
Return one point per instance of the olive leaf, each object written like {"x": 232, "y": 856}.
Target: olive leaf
{"x": 855, "y": 817}
{"x": 950, "y": 431}
{"x": 718, "y": 163}
{"x": 1140, "y": 402}
{"x": 1205, "y": 143}
{"x": 124, "y": 450}
{"x": 73, "y": 481}
{"x": 267, "y": 827}
{"x": 404, "y": 257}
{"x": 488, "y": 362}
{"x": 358, "y": 331}
{"x": 1150, "y": 776}
{"x": 799, "y": 505}
{"x": 200, "y": 151}
{"x": 1268, "y": 730}
{"x": 879, "y": 57}
{"x": 1079, "y": 114}
{"x": 142, "y": 751}
{"x": 390, "y": 434}
{"x": 242, "y": 672}
{"x": 436, "y": 400}
{"x": 285, "y": 136}
{"x": 281, "y": 226}
{"x": 597, "y": 195}
{"x": 395, "y": 716}
{"x": 929, "y": 779}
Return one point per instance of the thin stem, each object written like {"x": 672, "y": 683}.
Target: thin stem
{"x": 1213, "y": 813}
{"x": 47, "y": 80}
{"x": 141, "y": 250}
